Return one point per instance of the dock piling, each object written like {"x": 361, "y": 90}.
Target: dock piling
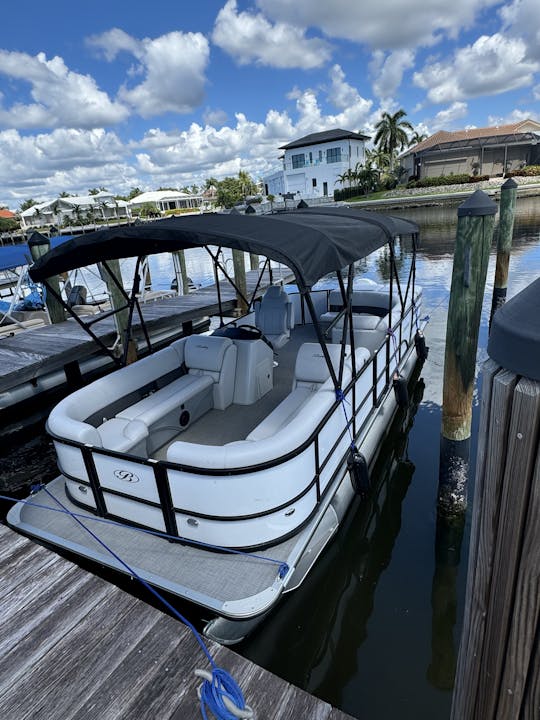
{"x": 240, "y": 281}
{"x": 499, "y": 657}
{"x": 504, "y": 244}
{"x": 471, "y": 254}
{"x": 112, "y": 277}
{"x": 39, "y": 245}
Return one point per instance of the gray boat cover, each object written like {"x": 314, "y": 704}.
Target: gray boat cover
{"x": 312, "y": 242}
{"x": 514, "y": 340}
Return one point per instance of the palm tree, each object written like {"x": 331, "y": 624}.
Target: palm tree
{"x": 391, "y": 133}
{"x": 349, "y": 176}
{"x": 417, "y": 138}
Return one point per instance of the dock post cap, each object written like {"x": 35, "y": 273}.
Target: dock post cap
{"x": 250, "y": 210}
{"x": 514, "y": 341}
{"x": 479, "y": 203}
{"x": 36, "y": 238}
{"x": 510, "y": 184}
{"x": 301, "y": 205}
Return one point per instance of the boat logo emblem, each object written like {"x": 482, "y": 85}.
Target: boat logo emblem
{"x": 126, "y": 475}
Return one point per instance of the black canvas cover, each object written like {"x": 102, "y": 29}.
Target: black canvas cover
{"x": 311, "y": 242}
{"x": 514, "y": 340}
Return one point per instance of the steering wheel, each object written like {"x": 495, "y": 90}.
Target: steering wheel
{"x": 253, "y": 333}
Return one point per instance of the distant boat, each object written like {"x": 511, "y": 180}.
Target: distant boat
{"x": 227, "y": 461}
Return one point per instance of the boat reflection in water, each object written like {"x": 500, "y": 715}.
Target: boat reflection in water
{"x": 321, "y": 627}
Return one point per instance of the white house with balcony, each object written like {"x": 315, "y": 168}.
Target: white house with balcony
{"x": 313, "y": 164}
{"x": 165, "y": 200}
{"x": 75, "y": 209}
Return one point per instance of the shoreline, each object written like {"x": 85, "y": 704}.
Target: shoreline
{"x": 442, "y": 199}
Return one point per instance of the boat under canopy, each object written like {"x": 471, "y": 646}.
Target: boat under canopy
{"x": 252, "y": 439}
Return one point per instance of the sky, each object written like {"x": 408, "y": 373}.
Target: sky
{"x": 119, "y": 95}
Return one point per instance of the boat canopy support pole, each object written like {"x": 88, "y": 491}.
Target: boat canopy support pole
{"x": 239, "y": 292}
{"x": 320, "y": 336}
{"x": 86, "y": 325}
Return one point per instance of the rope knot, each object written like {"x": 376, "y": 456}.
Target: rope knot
{"x": 220, "y": 693}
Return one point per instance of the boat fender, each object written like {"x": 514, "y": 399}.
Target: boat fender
{"x": 420, "y": 344}
{"x": 401, "y": 391}
{"x": 358, "y": 471}
{"x": 184, "y": 418}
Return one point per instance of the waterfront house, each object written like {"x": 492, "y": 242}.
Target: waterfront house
{"x": 164, "y": 200}
{"x": 489, "y": 151}
{"x": 75, "y": 210}
{"x": 313, "y": 164}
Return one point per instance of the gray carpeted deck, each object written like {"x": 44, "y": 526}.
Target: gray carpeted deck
{"x": 219, "y": 427}
{"x": 210, "y": 578}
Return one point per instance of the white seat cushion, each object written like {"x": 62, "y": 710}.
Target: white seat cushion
{"x": 283, "y": 414}
{"x": 152, "y": 408}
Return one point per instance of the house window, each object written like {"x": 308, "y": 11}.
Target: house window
{"x": 333, "y": 155}
{"x": 298, "y": 161}
{"x": 320, "y": 155}
{"x": 311, "y": 158}
{"x": 314, "y": 182}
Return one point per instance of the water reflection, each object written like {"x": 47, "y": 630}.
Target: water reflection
{"x": 444, "y": 600}
{"x": 314, "y": 636}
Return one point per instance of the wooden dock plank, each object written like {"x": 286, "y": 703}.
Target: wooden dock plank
{"x": 77, "y": 648}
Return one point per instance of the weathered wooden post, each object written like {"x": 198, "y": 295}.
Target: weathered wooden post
{"x": 253, "y": 258}
{"x": 39, "y": 245}
{"x": 180, "y": 271}
{"x": 240, "y": 281}
{"x": 499, "y": 659}
{"x": 504, "y": 243}
{"x": 471, "y": 254}
{"x": 112, "y": 277}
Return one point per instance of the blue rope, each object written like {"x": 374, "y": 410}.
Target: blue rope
{"x": 221, "y": 684}
{"x": 213, "y": 692}
{"x": 340, "y": 397}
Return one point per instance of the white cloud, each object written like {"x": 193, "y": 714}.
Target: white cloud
{"x": 386, "y": 24}
{"x": 173, "y": 66}
{"x": 513, "y": 117}
{"x": 445, "y": 119}
{"x": 43, "y": 165}
{"x": 522, "y": 17}
{"x": 61, "y": 98}
{"x": 387, "y": 70}
{"x": 249, "y": 37}
{"x": 492, "y": 65}
{"x": 215, "y": 117}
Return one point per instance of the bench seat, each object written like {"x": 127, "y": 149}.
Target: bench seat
{"x": 160, "y": 403}
{"x": 283, "y": 414}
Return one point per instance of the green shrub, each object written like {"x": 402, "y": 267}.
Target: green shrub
{"x": 527, "y": 171}
{"x": 459, "y": 179}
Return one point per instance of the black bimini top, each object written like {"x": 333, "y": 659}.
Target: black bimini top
{"x": 312, "y": 242}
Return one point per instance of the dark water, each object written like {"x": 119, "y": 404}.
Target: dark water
{"x": 375, "y": 627}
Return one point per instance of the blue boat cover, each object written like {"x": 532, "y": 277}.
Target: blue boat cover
{"x": 14, "y": 256}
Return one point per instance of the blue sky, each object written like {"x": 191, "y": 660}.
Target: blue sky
{"x": 108, "y": 94}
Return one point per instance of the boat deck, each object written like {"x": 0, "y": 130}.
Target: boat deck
{"x": 216, "y": 580}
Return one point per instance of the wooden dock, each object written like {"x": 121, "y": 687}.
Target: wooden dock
{"x": 29, "y": 355}
{"x": 75, "y": 647}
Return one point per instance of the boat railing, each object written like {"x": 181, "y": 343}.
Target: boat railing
{"x": 159, "y": 486}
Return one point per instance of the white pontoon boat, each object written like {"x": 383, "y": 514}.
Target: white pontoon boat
{"x": 221, "y": 466}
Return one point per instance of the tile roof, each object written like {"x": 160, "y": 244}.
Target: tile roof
{"x": 443, "y": 136}
{"x": 325, "y": 136}
{"x": 6, "y": 214}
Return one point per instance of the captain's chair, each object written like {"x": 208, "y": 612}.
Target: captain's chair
{"x": 274, "y": 316}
